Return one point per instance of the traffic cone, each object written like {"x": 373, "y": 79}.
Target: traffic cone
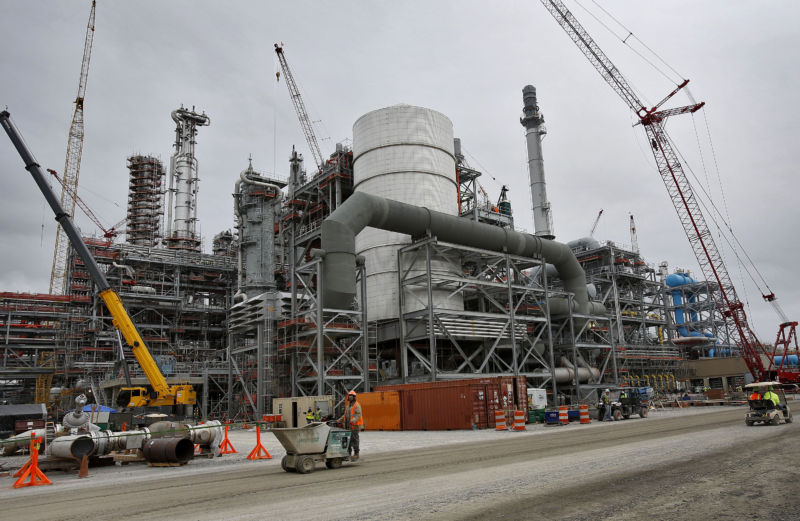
{"x": 33, "y": 472}
{"x": 258, "y": 452}
{"x": 84, "y": 472}
{"x": 226, "y": 447}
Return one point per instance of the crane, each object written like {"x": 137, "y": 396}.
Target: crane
{"x": 299, "y": 107}
{"x": 179, "y": 394}
{"x": 596, "y": 220}
{"x": 72, "y": 165}
{"x": 686, "y": 205}
{"x": 108, "y": 233}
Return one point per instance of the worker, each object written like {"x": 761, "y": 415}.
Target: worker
{"x": 623, "y": 394}
{"x": 756, "y": 395}
{"x": 352, "y": 420}
{"x": 606, "y": 401}
{"x": 771, "y": 396}
{"x": 309, "y": 416}
{"x": 317, "y": 415}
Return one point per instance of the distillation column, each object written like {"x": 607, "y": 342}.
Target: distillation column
{"x": 533, "y": 121}
{"x": 183, "y": 181}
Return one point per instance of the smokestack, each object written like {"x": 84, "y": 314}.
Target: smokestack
{"x": 533, "y": 121}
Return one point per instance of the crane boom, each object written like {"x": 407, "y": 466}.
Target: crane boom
{"x": 167, "y": 395}
{"x": 72, "y": 165}
{"x": 300, "y": 107}
{"x": 594, "y": 224}
{"x": 677, "y": 183}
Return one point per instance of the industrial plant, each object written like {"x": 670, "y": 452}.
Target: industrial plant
{"x": 373, "y": 265}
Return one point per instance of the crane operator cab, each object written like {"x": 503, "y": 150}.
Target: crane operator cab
{"x": 768, "y": 405}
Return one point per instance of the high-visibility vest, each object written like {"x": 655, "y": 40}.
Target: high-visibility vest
{"x": 352, "y": 412}
{"x": 310, "y": 417}
{"x": 755, "y": 396}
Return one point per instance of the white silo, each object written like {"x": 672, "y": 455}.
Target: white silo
{"x": 403, "y": 153}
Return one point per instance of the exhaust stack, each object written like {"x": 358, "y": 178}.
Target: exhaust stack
{"x": 533, "y": 121}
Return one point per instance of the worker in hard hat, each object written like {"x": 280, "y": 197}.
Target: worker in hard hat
{"x": 755, "y": 394}
{"x": 771, "y": 396}
{"x": 317, "y": 414}
{"x": 606, "y": 401}
{"x": 352, "y": 420}
{"x": 309, "y": 416}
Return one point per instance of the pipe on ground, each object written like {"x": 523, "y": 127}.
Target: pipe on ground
{"x": 361, "y": 210}
{"x": 168, "y": 450}
{"x": 74, "y": 446}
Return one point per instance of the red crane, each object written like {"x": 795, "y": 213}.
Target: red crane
{"x": 686, "y": 205}
{"x": 300, "y": 108}
{"x": 108, "y": 233}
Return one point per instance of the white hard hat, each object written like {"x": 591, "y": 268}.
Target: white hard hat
{"x": 607, "y": 391}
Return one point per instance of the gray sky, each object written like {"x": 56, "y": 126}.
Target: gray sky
{"x": 467, "y": 59}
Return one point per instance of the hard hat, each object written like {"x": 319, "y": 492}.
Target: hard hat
{"x": 351, "y": 393}
{"x": 607, "y": 391}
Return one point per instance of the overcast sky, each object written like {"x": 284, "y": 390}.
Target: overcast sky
{"x": 467, "y": 59}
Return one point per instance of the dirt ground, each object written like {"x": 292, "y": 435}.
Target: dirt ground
{"x": 677, "y": 465}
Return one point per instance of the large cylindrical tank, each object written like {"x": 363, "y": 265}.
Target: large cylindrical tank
{"x": 404, "y": 153}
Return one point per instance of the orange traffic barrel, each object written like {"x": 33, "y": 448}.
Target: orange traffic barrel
{"x": 563, "y": 415}
{"x": 500, "y": 420}
{"x": 519, "y": 420}
{"x": 584, "y": 413}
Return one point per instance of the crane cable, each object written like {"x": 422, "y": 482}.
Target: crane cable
{"x": 631, "y": 35}
{"x": 712, "y": 209}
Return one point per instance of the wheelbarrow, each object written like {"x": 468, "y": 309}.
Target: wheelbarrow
{"x": 311, "y": 444}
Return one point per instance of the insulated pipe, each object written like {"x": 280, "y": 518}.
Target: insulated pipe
{"x": 71, "y": 447}
{"x": 361, "y": 210}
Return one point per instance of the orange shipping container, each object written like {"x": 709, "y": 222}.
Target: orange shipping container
{"x": 381, "y": 410}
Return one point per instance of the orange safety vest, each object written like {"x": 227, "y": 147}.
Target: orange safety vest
{"x": 352, "y": 412}
{"x": 755, "y": 396}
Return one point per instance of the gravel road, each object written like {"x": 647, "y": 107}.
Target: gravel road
{"x": 686, "y": 466}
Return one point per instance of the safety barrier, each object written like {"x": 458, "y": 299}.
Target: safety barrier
{"x": 584, "y": 413}
{"x": 500, "y": 420}
{"x": 226, "y": 447}
{"x": 563, "y": 415}
{"x": 258, "y": 452}
{"x": 519, "y": 421}
{"x": 31, "y": 468}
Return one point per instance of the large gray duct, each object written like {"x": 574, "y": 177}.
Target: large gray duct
{"x": 362, "y": 210}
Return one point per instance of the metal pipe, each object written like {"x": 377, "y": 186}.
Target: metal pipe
{"x": 168, "y": 450}
{"x": 362, "y": 210}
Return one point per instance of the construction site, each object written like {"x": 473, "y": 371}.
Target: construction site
{"x": 384, "y": 264}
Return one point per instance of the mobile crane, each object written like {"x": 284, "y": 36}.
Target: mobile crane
{"x": 164, "y": 394}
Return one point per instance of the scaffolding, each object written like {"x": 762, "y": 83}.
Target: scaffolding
{"x": 145, "y": 201}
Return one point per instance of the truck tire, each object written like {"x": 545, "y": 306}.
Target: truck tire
{"x": 749, "y": 423}
{"x": 643, "y": 412}
{"x": 333, "y": 463}
{"x": 788, "y": 419}
{"x": 776, "y": 420}
{"x": 305, "y": 464}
